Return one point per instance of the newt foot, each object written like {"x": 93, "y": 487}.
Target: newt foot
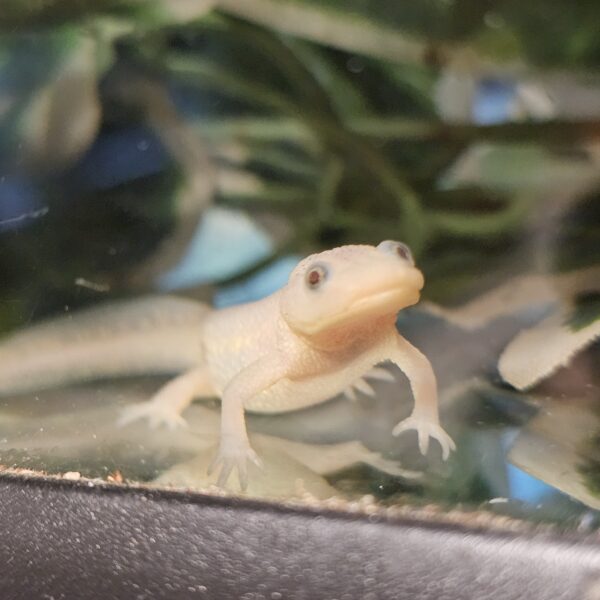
{"x": 234, "y": 456}
{"x": 425, "y": 430}
{"x": 157, "y": 415}
{"x": 362, "y": 385}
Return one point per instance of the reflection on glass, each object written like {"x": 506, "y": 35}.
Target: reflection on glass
{"x": 201, "y": 154}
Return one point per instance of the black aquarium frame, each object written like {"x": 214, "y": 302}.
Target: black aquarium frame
{"x": 64, "y": 539}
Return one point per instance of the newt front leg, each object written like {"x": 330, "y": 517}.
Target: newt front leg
{"x": 425, "y": 417}
{"x": 234, "y": 449}
{"x": 171, "y": 400}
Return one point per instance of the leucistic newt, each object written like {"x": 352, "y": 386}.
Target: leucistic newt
{"x": 318, "y": 336}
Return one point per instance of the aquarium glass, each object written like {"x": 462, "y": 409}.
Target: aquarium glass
{"x": 198, "y": 150}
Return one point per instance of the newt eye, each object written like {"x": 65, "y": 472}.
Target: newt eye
{"x": 315, "y": 276}
{"x": 398, "y": 248}
{"x": 403, "y": 251}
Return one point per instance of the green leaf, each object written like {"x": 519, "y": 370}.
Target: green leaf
{"x": 538, "y": 352}
{"x": 343, "y": 29}
{"x": 585, "y": 312}
{"x": 55, "y": 111}
{"x": 577, "y": 242}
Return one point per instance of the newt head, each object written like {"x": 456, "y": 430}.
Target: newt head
{"x": 331, "y": 294}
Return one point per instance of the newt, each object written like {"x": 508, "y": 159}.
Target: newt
{"x": 322, "y": 334}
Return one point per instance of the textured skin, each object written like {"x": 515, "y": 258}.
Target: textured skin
{"x": 315, "y": 338}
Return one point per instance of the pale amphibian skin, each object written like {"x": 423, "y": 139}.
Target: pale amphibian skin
{"x": 320, "y": 335}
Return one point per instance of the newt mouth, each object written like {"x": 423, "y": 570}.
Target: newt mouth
{"x": 390, "y": 298}
{"x": 405, "y": 293}
{"x": 388, "y": 302}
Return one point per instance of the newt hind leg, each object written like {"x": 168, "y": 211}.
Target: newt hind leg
{"x": 166, "y": 406}
{"x": 362, "y": 384}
